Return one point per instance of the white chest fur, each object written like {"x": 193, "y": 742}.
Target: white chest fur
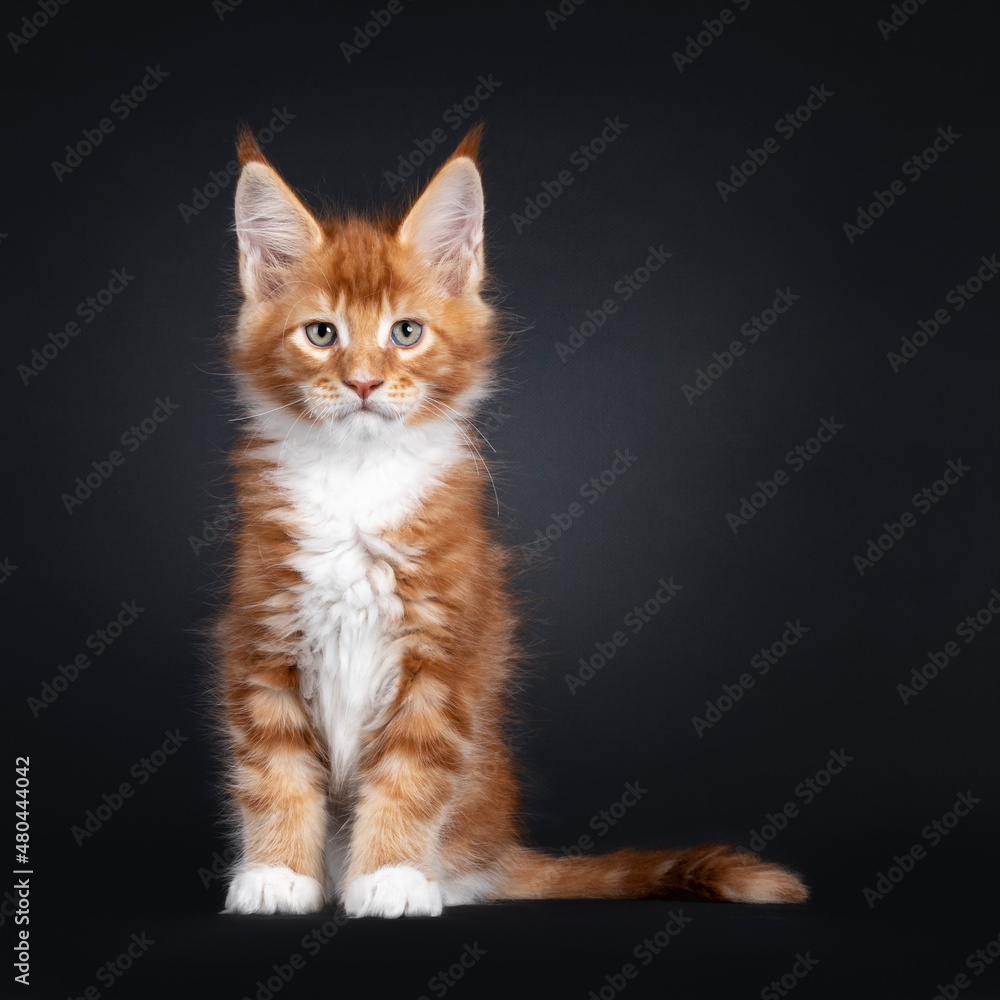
{"x": 343, "y": 498}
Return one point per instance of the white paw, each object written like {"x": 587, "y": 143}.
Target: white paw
{"x": 392, "y": 892}
{"x": 273, "y": 889}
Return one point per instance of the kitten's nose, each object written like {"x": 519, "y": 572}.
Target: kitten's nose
{"x": 363, "y": 389}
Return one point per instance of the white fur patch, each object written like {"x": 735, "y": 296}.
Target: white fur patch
{"x": 345, "y": 492}
{"x": 461, "y": 890}
{"x": 393, "y": 891}
{"x": 273, "y": 889}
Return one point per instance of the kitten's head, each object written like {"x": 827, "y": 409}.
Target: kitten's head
{"x": 363, "y": 324}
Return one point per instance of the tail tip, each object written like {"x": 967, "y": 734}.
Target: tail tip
{"x": 765, "y": 883}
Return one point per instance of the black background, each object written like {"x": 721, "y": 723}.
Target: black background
{"x": 148, "y": 869}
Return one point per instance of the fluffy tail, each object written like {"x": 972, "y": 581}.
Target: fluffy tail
{"x": 711, "y": 871}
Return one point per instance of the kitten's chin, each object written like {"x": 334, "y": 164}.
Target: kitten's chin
{"x": 366, "y": 421}
{"x": 363, "y": 422}
{"x": 353, "y": 415}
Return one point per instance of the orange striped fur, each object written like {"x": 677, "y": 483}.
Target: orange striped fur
{"x": 367, "y": 646}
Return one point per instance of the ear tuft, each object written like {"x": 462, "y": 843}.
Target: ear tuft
{"x": 247, "y": 149}
{"x": 445, "y": 226}
{"x": 469, "y": 146}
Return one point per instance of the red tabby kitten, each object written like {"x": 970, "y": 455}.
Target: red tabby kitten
{"x": 368, "y": 640}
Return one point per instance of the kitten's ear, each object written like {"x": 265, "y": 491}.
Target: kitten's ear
{"x": 445, "y": 226}
{"x": 274, "y": 229}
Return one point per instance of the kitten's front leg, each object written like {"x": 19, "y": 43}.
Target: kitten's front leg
{"x": 408, "y": 781}
{"x": 280, "y": 788}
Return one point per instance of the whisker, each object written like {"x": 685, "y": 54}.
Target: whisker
{"x": 437, "y": 408}
{"x": 250, "y": 416}
{"x": 470, "y": 422}
{"x": 290, "y": 429}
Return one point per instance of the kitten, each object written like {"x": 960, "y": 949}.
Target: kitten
{"x": 368, "y": 640}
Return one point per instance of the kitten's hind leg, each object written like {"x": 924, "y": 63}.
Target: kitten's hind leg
{"x": 279, "y": 786}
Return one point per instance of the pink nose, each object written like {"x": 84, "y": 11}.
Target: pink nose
{"x": 363, "y": 389}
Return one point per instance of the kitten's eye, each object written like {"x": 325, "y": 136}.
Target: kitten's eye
{"x": 406, "y": 332}
{"x": 321, "y": 334}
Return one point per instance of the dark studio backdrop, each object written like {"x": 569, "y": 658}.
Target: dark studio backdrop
{"x": 746, "y": 452}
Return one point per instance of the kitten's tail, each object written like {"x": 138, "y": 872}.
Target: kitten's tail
{"x": 711, "y": 871}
